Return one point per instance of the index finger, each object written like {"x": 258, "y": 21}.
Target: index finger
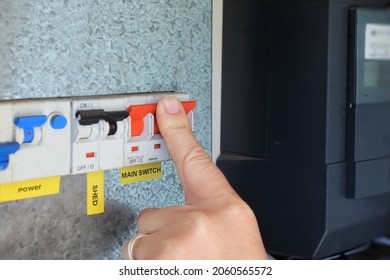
{"x": 200, "y": 177}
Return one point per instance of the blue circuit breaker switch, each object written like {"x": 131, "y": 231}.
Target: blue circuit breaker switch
{"x": 6, "y": 150}
{"x": 28, "y": 124}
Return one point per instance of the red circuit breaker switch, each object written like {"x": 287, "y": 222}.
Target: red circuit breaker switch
{"x": 188, "y": 106}
{"x": 139, "y": 112}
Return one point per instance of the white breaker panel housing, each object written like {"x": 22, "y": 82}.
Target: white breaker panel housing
{"x": 60, "y": 136}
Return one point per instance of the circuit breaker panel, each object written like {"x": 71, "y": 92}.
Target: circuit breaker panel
{"x": 60, "y": 136}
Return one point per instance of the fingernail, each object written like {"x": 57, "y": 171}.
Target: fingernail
{"x": 171, "y": 105}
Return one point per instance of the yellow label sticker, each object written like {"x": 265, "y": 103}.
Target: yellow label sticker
{"x": 95, "y": 193}
{"x": 141, "y": 172}
{"x": 30, "y": 188}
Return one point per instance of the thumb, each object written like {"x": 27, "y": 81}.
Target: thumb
{"x": 200, "y": 177}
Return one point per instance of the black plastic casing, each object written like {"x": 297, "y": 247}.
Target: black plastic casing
{"x": 286, "y": 138}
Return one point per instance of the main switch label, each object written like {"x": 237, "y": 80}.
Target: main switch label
{"x": 140, "y": 173}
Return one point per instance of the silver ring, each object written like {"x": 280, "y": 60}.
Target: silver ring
{"x": 130, "y": 246}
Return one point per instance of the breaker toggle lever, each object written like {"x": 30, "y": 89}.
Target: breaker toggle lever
{"x": 139, "y": 112}
{"x": 28, "y": 124}
{"x": 89, "y": 117}
{"x": 5, "y": 151}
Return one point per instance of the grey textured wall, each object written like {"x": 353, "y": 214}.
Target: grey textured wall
{"x": 52, "y": 48}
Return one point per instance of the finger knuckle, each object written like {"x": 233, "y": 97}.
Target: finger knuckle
{"x": 238, "y": 209}
{"x": 198, "y": 219}
{"x": 194, "y": 156}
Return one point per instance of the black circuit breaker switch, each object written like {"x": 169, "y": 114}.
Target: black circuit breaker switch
{"x": 89, "y": 117}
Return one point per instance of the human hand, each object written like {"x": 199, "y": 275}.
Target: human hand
{"x": 214, "y": 223}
